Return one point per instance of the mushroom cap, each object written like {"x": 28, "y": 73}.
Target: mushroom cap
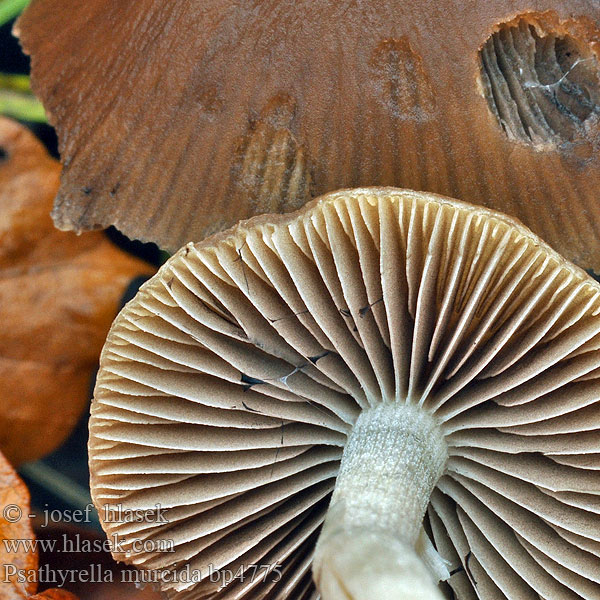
{"x": 178, "y": 119}
{"x": 59, "y": 293}
{"x": 228, "y": 386}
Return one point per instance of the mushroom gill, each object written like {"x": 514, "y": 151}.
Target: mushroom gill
{"x": 437, "y": 358}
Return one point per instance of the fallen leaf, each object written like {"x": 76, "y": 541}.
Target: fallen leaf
{"x": 54, "y": 594}
{"x": 59, "y": 293}
{"x": 15, "y": 524}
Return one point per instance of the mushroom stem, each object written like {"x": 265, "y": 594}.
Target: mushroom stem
{"x": 372, "y": 545}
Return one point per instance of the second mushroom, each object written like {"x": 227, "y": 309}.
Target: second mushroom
{"x": 396, "y": 388}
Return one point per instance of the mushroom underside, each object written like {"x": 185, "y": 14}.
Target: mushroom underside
{"x": 230, "y": 389}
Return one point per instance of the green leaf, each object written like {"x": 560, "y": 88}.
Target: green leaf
{"x": 9, "y": 9}
{"x": 15, "y": 82}
{"x": 17, "y": 101}
{"x": 24, "y": 107}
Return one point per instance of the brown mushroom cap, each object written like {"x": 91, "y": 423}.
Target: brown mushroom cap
{"x": 15, "y": 524}
{"x": 177, "y": 119}
{"x": 229, "y": 384}
{"x": 59, "y": 293}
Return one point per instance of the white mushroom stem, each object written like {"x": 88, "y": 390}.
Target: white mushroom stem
{"x": 372, "y": 545}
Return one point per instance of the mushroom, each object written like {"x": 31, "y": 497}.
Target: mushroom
{"x": 419, "y": 374}
{"x": 59, "y": 293}
{"x": 178, "y": 119}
